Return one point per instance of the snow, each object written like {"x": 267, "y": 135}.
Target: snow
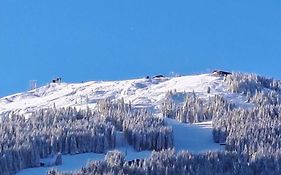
{"x": 69, "y": 163}
{"x": 142, "y": 93}
{"x": 53, "y": 159}
{"x": 195, "y": 138}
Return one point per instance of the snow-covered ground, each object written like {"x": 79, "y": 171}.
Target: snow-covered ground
{"x": 148, "y": 93}
{"x": 195, "y": 138}
{"x": 70, "y": 163}
{"x": 140, "y": 92}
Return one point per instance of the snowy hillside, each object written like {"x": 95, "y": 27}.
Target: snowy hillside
{"x": 147, "y": 93}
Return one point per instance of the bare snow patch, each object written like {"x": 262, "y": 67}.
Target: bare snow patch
{"x": 195, "y": 138}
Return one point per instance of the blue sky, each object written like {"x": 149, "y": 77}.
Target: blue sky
{"x": 112, "y": 40}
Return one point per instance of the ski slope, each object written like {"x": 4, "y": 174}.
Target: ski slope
{"x": 195, "y": 138}
{"x": 141, "y": 93}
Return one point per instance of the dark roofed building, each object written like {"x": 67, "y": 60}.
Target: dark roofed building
{"x": 158, "y": 76}
{"x": 221, "y": 73}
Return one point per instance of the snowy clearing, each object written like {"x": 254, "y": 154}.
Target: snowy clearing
{"x": 75, "y": 162}
{"x": 70, "y": 162}
{"x": 195, "y": 138}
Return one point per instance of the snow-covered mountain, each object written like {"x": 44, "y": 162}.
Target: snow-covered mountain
{"x": 148, "y": 93}
{"x": 144, "y": 92}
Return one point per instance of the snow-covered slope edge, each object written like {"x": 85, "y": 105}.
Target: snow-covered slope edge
{"x": 139, "y": 92}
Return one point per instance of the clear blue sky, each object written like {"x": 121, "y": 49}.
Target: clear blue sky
{"x": 108, "y": 40}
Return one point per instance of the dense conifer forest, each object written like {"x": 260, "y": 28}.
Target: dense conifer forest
{"x": 24, "y": 141}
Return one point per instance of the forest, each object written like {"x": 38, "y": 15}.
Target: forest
{"x": 24, "y": 141}
{"x": 252, "y": 135}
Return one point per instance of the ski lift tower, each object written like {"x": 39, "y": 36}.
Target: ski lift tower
{"x": 32, "y": 84}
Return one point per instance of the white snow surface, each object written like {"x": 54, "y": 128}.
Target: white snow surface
{"x": 70, "y": 163}
{"x": 195, "y": 138}
{"x": 142, "y": 93}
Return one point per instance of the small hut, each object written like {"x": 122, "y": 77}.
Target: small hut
{"x": 221, "y": 73}
{"x": 158, "y": 76}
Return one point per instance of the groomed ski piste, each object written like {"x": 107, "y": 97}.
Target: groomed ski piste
{"x": 146, "y": 93}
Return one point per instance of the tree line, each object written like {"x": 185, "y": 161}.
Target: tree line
{"x": 169, "y": 162}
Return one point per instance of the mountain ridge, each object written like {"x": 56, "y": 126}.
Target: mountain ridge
{"x": 141, "y": 93}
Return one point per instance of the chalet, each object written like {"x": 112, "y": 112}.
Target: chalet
{"x": 221, "y": 73}
{"x": 158, "y": 76}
